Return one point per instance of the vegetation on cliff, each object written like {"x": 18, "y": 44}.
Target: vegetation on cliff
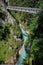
{"x": 8, "y": 43}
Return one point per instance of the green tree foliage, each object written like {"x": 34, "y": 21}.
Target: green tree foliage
{"x": 1, "y": 61}
{"x": 37, "y": 43}
{"x": 4, "y": 31}
{"x": 1, "y": 29}
{"x": 36, "y": 49}
{"x": 26, "y": 3}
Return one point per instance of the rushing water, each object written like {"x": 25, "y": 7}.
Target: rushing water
{"x": 23, "y": 52}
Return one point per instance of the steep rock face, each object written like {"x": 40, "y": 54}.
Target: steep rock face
{"x": 10, "y": 18}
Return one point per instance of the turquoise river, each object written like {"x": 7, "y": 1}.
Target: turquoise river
{"x": 23, "y": 52}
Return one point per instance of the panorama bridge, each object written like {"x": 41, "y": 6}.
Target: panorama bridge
{"x": 23, "y": 9}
